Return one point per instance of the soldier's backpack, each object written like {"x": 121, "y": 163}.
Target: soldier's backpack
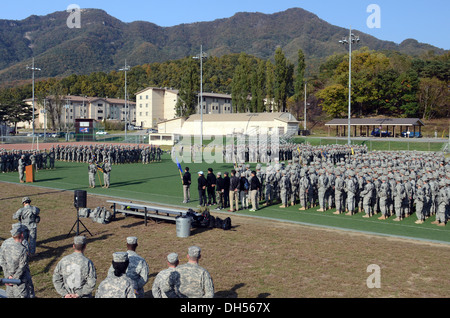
{"x": 84, "y": 212}
{"x": 226, "y": 225}
{"x": 218, "y": 223}
{"x": 100, "y": 215}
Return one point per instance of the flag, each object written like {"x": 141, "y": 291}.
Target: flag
{"x": 179, "y": 166}
{"x": 353, "y": 152}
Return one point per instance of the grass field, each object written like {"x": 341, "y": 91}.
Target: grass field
{"x": 258, "y": 258}
{"x": 160, "y": 183}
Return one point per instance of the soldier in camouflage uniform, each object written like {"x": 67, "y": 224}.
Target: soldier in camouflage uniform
{"x": 106, "y": 173}
{"x": 75, "y": 275}
{"x": 28, "y": 215}
{"x": 117, "y": 285}
{"x": 442, "y": 202}
{"x": 92, "y": 170}
{"x": 14, "y": 261}
{"x": 165, "y": 283}
{"x": 367, "y": 195}
{"x": 194, "y": 280}
{"x": 138, "y": 270}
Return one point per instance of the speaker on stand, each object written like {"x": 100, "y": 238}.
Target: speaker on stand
{"x": 79, "y": 201}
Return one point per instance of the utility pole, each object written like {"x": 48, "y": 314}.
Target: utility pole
{"x": 33, "y": 69}
{"x": 352, "y": 39}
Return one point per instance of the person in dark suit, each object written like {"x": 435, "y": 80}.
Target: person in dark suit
{"x": 226, "y": 190}
{"x": 186, "y": 185}
{"x": 201, "y": 188}
{"x": 211, "y": 187}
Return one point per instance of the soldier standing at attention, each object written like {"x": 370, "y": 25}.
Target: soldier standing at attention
{"x": 137, "y": 270}
{"x": 165, "y": 283}
{"x": 21, "y": 168}
{"x": 117, "y": 285}
{"x": 75, "y": 275}
{"x": 186, "y": 185}
{"x": 14, "y": 261}
{"x": 106, "y": 173}
{"x": 92, "y": 170}
{"x": 195, "y": 281}
{"x": 29, "y": 217}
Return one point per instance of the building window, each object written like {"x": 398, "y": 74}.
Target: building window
{"x": 146, "y": 96}
{"x": 100, "y": 111}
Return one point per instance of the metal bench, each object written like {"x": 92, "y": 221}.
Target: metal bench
{"x": 147, "y": 211}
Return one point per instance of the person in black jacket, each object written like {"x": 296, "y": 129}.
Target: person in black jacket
{"x": 234, "y": 191}
{"x": 255, "y": 186}
{"x": 186, "y": 185}
{"x": 201, "y": 188}
{"x": 226, "y": 190}
{"x": 219, "y": 191}
{"x": 211, "y": 187}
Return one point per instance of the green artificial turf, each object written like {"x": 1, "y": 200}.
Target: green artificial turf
{"x": 160, "y": 182}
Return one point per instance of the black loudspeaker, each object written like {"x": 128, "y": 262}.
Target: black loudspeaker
{"x": 80, "y": 199}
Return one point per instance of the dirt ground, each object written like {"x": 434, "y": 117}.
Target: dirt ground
{"x": 257, "y": 258}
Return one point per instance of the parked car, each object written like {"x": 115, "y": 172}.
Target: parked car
{"x": 377, "y": 133}
{"x": 152, "y": 131}
{"x": 411, "y": 134}
{"x": 101, "y": 133}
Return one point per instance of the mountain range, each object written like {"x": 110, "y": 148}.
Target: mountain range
{"x": 104, "y": 42}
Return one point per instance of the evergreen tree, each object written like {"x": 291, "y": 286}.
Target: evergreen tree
{"x": 189, "y": 88}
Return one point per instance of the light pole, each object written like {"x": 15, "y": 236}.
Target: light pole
{"x": 126, "y": 68}
{"x": 304, "y": 115}
{"x": 201, "y": 56}
{"x": 352, "y": 39}
{"x": 33, "y": 69}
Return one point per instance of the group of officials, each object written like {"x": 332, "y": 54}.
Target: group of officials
{"x": 75, "y": 274}
{"x": 349, "y": 179}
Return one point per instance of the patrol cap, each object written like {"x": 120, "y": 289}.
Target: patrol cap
{"x": 172, "y": 258}
{"x": 120, "y": 257}
{"x": 200, "y": 172}
{"x": 194, "y": 251}
{"x": 131, "y": 240}
{"x": 16, "y": 229}
{"x": 79, "y": 240}
{"x": 26, "y": 199}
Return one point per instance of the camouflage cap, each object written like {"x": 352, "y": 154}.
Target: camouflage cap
{"x": 120, "y": 257}
{"x": 79, "y": 239}
{"x": 172, "y": 258}
{"x": 16, "y": 229}
{"x": 26, "y": 199}
{"x": 194, "y": 251}
{"x": 132, "y": 240}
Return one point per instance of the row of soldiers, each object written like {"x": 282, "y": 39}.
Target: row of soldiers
{"x": 75, "y": 274}
{"x": 265, "y": 152}
{"x": 45, "y": 159}
{"x": 10, "y": 160}
{"x": 116, "y": 154}
{"x": 390, "y": 183}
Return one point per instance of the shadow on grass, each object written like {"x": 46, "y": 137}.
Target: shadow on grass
{"x": 55, "y": 253}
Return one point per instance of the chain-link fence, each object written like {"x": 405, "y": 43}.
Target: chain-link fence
{"x": 61, "y": 138}
{"x": 373, "y": 144}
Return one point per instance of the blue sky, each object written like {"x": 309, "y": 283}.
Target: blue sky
{"x": 424, "y": 20}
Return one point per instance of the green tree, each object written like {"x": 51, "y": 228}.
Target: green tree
{"x": 189, "y": 88}
{"x": 300, "y": 77}
{"x": 13, "y": 109}
{"x": 240, "y": 86}
{"x": 280, "y": 80}
{"x": 333, "y": 100}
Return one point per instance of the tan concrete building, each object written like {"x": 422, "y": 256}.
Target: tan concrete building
{"x": 235, "y": 123}
{"x": 154, "y": 105}
{"x": 73, "y": 107}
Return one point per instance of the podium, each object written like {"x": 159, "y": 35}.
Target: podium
{"x": 29, "y": 173}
